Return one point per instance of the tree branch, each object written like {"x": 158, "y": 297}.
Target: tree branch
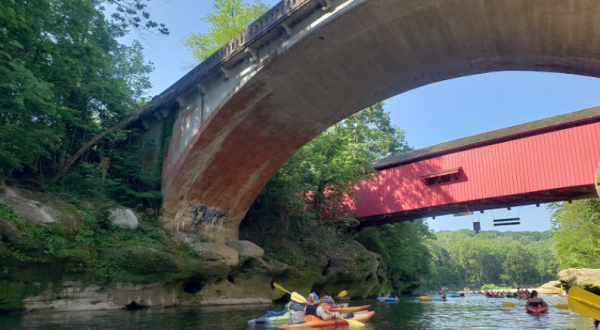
{"x": 90, "y": 143}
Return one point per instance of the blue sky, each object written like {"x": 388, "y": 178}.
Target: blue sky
{"x": 431, "y": 114}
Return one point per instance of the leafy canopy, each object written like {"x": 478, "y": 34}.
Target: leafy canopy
{"x": 229, "y": 18}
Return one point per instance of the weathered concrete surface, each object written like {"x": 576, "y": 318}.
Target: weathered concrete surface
{"x": 363, "y": 53}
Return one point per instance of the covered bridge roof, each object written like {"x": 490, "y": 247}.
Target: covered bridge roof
{"x": 572, "y": 119}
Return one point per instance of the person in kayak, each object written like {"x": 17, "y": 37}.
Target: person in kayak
{"x": 327, "y": 299}
{"x": 534, "y": 300}
{"x": 314, "y": 308}
{"x": 296, "y": 311}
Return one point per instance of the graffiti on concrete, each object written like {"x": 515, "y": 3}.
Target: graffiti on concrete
{"x": 206, "y": 216}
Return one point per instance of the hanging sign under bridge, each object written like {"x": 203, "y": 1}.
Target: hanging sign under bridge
{"x": 462, "y": 214}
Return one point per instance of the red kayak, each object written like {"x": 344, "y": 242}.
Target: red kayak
{"x": 536, "y": 310}
{"x": 563, "y": 295}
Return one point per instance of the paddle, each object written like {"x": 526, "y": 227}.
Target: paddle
{"x": 509, "y": 304}
{"x": 352, "y": 323}
{"x": 294, "y": 295}
{"x": 584, "y": 302}
{"x": 342, "y": 294}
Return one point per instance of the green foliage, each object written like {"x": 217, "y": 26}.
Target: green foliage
{"x": 64, "y": 77}
{"x": 403, "y": 250}
{"x": 319, "y": 179}
{"x": 509, "y": 258}
{"x": 49, "y": 243}
{"x": 229, "y": 18}
{"x": 304, "y": 202}
{"x": 576, "y": 230}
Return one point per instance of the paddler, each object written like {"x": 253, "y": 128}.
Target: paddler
{"x": 314, "y": 308}
{"x": 327, "y": 299}
{"x": 534, "y": 300}
{"x": 295, "y": 309}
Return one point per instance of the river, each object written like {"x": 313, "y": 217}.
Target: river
{"x": 472, "y": 312}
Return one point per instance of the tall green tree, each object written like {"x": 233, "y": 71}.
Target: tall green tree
{"x": 229, "y": 18}
{"x": 576, "y": 229}
{"x": 64, "y": 77}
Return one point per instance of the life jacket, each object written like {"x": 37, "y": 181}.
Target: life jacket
{"x": 311, "y": 310}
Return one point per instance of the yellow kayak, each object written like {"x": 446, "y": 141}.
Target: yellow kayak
{"x": 425, "y": 298}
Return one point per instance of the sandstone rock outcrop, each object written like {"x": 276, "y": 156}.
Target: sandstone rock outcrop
{"x": 553, "y": 287}
{"x": 117, "y": 296}
{"x": 33, "y": 207}
{"x": 586, "y": 278}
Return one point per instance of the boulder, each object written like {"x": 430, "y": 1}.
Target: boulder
{"x": 31, "y": 211}
{"x": 219, "y": 258}
{"x": 588, "y": 279}
{"x": 553, "y": 287}
{"x": 9, "y": 231}
{"x": 123, "y": 218}
{"x": 246, "y": 249}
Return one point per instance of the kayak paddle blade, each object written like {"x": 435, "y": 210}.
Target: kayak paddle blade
{"x": 298, "y": 298}
{"x": 508, "y": 304}
{"x": 561, "y": 306}
{"x": 354, "y": 323}
{"x": 280, "y": 288}
{"x": 584, "y": 302}
{"x": 342, "y": 294}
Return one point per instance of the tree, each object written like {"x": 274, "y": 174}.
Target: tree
{"x": 576, "y": 229}
{"x": 229, "y": 18}
{"x": 64, "y": 78}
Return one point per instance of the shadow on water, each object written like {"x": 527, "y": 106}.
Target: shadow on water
{"x": 472, "y": 312}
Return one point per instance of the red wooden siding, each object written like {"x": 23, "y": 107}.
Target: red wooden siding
{"x": 548, "y": 161}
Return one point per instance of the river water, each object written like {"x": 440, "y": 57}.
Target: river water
{"x": 472, "y": 312}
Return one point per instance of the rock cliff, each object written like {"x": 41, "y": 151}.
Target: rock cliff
{"x": 82, "y": 256}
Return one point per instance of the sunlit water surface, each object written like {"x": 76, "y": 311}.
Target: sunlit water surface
{"x": 472, "y": 312}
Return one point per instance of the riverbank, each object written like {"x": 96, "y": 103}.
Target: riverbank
{"x": 84, "y": 256}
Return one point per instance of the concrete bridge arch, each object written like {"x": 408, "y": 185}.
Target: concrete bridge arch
{"x": 307, "y": 64}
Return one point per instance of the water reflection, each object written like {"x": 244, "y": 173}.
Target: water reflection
{"x": 472, "y": 312}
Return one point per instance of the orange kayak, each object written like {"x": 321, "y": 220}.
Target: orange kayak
{"x": 347, "y": 309}
{"x": 316, "y": 322}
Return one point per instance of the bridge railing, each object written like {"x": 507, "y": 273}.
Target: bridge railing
{"x": 269, "y": 21}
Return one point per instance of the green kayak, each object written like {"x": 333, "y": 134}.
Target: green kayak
{"x": 271, "y": 319}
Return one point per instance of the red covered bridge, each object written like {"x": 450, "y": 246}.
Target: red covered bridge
{"x": 544, "y": 161}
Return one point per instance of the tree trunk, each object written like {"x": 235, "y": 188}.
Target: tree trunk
{"x": 90, "y": 143}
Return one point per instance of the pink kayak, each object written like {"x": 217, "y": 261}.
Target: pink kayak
{"x": 536, "y": 310}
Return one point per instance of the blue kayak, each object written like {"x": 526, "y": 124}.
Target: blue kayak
{"x": 382, "y": 299}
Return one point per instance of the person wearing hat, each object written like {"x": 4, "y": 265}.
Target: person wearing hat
{"x": 295, "y": 309}
{"x": 314, "y": 308}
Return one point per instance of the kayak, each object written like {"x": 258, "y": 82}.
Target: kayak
{"x": 270, "y": 319}
{"x": 563, "y": 295}
{"x": 347, "y": 309}
{"x": 425, "y": 299}
{"x": 438, "y": 299}
{"x": 382, "y": 299}
{"x": 313, "y": 321}
{"x": 536, "y": 310}
{"x": 454, "y": 296}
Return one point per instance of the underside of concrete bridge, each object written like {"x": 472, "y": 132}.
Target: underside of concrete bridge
{"x": 245, "y": 111}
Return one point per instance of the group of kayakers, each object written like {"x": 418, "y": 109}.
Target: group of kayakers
{"x": 297, "y": 311}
